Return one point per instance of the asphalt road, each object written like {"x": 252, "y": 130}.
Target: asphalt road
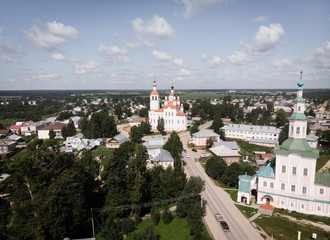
{"x": 218, "y": 201}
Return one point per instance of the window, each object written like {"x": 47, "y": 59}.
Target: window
{"x": 319, "y": 208}
{"x": 282, "y": 202}
{"x": 298, "y": 130}
{"x": 282, "y": 186}
{"x": 271, "y": 185}
{"x": 321, "y": 191}
{"x": 292, "y": 204}
{"x": 293, "y": 188}
{"x": 283, "y": 168}
{"x": 302, "y": 206}
{"x": 265, "y": 184}
{"x": 305, "y": 171}
{"x": 299, "y": 108}
{"x": 294, "y": 170}
{"x": 304, "y": 190}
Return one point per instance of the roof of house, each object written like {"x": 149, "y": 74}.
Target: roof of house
{"x": 79, "y": 135}
{"x": 181, "y": 113}
{"x": 4, "y": 131}
{"x": 266, "y": 171}
{"x": 154, "y": 92}
{"x": 311, "y": 138}
{"x": 121, "y": 138}
{"x": 252, "y": 128}
{"x": 164, "y": 156}
{"x": 296, "y": 145}
{"x": 6, "y": 142}
{"x": 15, "y": 127}
{"x": 323, "y": 178}
{"x": 55, "y": 126}
{"x": 206, "y": 133}
{"x": 14, "y": 137}
{"x": 28, "y": 123}
{"x": 244, "y": 183}
{"x": 230, "y": 144}
{"x": 223, "y": 151}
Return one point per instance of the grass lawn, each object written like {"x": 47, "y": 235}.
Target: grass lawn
{"x": 19, "y": 154}
{"x": 247, "y": 211}
{"x": 283, "y": 228}
{"x": 177, "y": 229}
{"x": 250, "y": 148}
{"x": 232, "y": 193}
{"x": 299, "y": 216}
{"x": 102, "y": 150}
{"x": 122, "y": 122}
{"x": 203, "y": 161}
{"x": 322, "y": 160}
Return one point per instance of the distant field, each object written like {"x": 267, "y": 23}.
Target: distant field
{"x": 10, "y": 96}
{"x": 200, "y": 95}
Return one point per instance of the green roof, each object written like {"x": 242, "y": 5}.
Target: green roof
{"x": 244, "y": 183}
{"x": 299, "y": 99}
{"x": 297, "y": 145}
{"x": 298, "y": 116}
{"x": 266, "y": 171}
{"x": 323, "y": 178}
{"x": 245, "y": 177}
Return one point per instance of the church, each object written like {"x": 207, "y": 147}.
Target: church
{"x": 172, "y": 111}
{"x": 293, "y": 183}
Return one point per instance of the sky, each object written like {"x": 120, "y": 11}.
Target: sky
{"x": 192, "y": 44}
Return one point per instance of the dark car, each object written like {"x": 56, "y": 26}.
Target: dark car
{"x": 195, "y": 159}
{"x": 184, "y": 150}
{"x": 225, "y": 226}
{"x": 194, "y": 150}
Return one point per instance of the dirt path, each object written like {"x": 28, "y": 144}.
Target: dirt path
{"x": 306, "y": 222}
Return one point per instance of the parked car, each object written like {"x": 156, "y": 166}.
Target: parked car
{"x": 204, "y": 155}
{"x": 184, "y": 163}
{"x": 184, "y": 150}
{"x": 194, "y": 150}
{"x": 188, "y": 155}
{"x": 195, "y": 159}
{"x": 225, "y": 226}
{"x": 204, "y": 152}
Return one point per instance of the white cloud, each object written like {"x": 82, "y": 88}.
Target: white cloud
{"x": 112, "y": 50}
{"x": 7, "y": 47}
{"x": 239, "y": 58}
{"x": 284, "y": 63}
{"x": 267, "y": 37}
{"x": 11, "y": 80}
{"x": 58, "y": 57}
{"x": 85, "y": 68}
{"x": 61, "y": 30}
{"x": 194, "y": 7}
{"x": 123, "y": 59}
{"x": 53, "y": 35}
{"x": 46, "y": 76}
{"x": 161, "y": 56}
{"x": 216, "y": 61}
{"x": 184, "y": 72}
{"x": 133, "y": 45}
{"x": 179, "y": 62}
{"x": 157, "y": 26}
{"x": 8, "y": 59}
{"x": 261, "y": 19}
{"x": 320, "y": 57}
{"x": 204, "y": 57}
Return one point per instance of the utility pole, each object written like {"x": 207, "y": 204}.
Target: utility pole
{"x": 92, "y": 222}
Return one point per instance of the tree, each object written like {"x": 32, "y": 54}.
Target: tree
{"x": 143, "y": 112}
{"x": 318, "y": 132}
{"x": 230, "y": 176}
{"x": 70, "y": 129}
{"x": 194, "y": 129}
{"x": 281, "y": 119}
{"x": 118, "y": 111}
{"x": 217, "y": 124}
{"x": 52, "y": 134}
{"x": 155, "y": 216}
{"x": 215, "y": 167}
{"x": 166, "y": 216}
{"x": 161, "y": 125}
{"x": 284, "y": 134}
{"x": 145, "y": 127}
{"x": 135, "y": 134}
{"x": 109, "y": 127}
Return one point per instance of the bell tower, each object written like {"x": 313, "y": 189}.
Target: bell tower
{"x": 154, "y": 98}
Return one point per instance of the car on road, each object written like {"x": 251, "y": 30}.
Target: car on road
{"x": 204, "y": 152}
{"x": 225, "y": 226}
{"x": 188, "y": 155}
{"x": 194, "y": 150}
{"x": 184, "y": 150}
{"x": 184, "y": 163}
{"x": 195, "y": 159}
{"x": 218, "y": 217}
{"x": 204, "y": 155}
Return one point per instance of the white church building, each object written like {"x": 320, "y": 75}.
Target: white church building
{"x": 293, "y": 183}
{"x": 172, "y": 111}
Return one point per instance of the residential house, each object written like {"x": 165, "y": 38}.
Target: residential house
{"x": 116, "y": 141}
{"x": 152, "y": 145}
{"x": 6, "y": 146}
{"x": 312, "y": 140}
{"x": 33, "y": 128}
{"x": 201, "y": 138}
{"x": 15, "y": 128}
{"x": 56, "y": 127}
{"x": 163, "y": 158}
{"x": 228, "y": 151}
{"x": 136, "y": 120}
{"x": 76, "y": 121}
{"x": 259, "y": 135}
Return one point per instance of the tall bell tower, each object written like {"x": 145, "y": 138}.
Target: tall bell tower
{"x": 154, "y": 98}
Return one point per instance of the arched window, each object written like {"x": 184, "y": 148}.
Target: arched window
{"x": 299, "y": 108}
{"x": 298, "y": 130}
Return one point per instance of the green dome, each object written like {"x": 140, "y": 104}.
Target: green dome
{"x": 300, "y": 84}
